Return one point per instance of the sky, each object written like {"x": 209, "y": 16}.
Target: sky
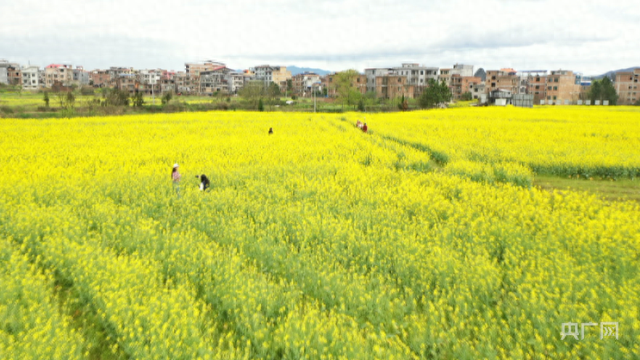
{"x": 586, "y": 36}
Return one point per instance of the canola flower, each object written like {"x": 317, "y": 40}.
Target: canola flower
{"x": 318, "y": 241}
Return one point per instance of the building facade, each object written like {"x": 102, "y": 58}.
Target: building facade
{"x": 562, "y": 88}
{"x": 272, "y": 73}
{"x": 214, "y": 80}
{"x": 30, "y": 77}
{"x": 330, "y": 83}
{"x": 80, "y": 77}
{"x": 501, "y": 79}
{"x": 62, "y": 73}
{"x": 534, "y": 82}
{"x": 628, "y": 87}
{"x": 194, "y": 69}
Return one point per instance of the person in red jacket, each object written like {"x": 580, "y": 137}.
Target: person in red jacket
{"x": 364, "y": 127}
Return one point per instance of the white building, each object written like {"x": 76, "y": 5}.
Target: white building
{"x": 4, "y": 71}
{"x": 271, "y": 73}
{"x": 3, "y": 75}
{"x": 30, "y": 77}
{"x": 235, "y": 81}
{"x": 372, "y": 73}
{"x": 417, "y": 75}
{"x": 80, "y": 77}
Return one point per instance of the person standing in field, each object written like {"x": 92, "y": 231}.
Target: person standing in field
{"x": 364, "y": 127}
{"x": 175, "y": 176}
{"x": 270, "y": 131}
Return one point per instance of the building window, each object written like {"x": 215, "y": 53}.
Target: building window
{"x": 554, "y": 98}
{"x": 549, "y": 88}
{"x": 555, "y": 88}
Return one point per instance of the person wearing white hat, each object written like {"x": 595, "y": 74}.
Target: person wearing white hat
{"x": 175, "y": 176}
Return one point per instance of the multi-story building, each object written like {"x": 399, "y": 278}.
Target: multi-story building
{"x": 30, "y": 77}
{"x": 416, "y": 79}
{"x": 62, "y": 73}
{"x": 235, "y": 80}
{"x": 417, "y": 75}
{"x": 80, "y": 77}
{"x": 393, "y": 86}
{"x": 445, "y": 76}
{"x": 534, "y": 82}
{"x": 303, "y": 83}
{"x": 330, "y": 83}
{"x": 372, "y": 73}
{"x": 99, "y": 78}
{"x": 462, "y": 70}
{"x": 115, "y": 72}
{"x": 14, "y": 74}
{"x": 148, "y": 81}
{"x": 247, "y": 76}
{"x": 628, "y": 87}
{"x": 167, "y": 83}
{"x": 194, "y": 69}
{"x": 502, "y": 79}
{"x": 214, "y": 80}
{"x": 463, "y": 84}
{"x": 125, "y": 82}
{"x": 562, "y": 88}
{"x": 186, "y": 83}
{"x": 269, "y": 74}
{"x": 4, "y": 64}
{"x": 478, "y": 91}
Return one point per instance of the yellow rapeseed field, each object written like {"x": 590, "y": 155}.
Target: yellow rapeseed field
{"x": 422, "y": 239}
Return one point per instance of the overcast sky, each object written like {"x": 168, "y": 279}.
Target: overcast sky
{"x": 587, "y": 36}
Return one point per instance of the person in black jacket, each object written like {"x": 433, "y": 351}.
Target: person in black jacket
{"x": 204, "y": 182}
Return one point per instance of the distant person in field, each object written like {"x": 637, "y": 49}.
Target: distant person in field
{"x": 175, "y": 176}
{"x": 364, "y": 127}
{"x": 204, "y": 182}
{"x": 359, "y": 124}
{"x": 270, "y": 131}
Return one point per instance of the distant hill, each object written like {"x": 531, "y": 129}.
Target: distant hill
{"x": 299, "y": 70}
{"x": 612, "y": 74}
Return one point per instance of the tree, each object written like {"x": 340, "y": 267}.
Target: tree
{"x": 403, "y": 105}
{"x": 46, "y": 98}
{"x": 289, "y": 86}
{"x": 347, "y": 93}
{"x": 361, "y": 105}
{"x": 137, "y": 99}
{"x": 70, "y": 100}
{"x": 603, "y": 90}
{"x": 273, "y": 92}
{"x": 115, "y": 97}
{"x": 252, "y": 92}
{"x": 166, "y": 98}
{"x": 260, "y": 105}
{"x": 467, "y": 96}
{"x": 434, "y": 95}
